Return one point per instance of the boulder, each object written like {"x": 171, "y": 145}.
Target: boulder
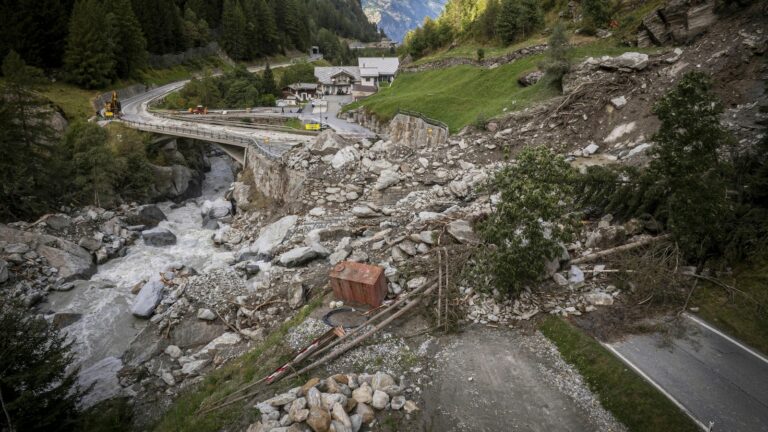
{"x": 338, "y": 414}
{"x": 344, "y": 157}
{"x": 365, "y": 412}
{"x": 158, "y": 237}
{"x": 397, "y": 402}
{"x": 365, "y": 212}
{"x": 619, "y": 102}
{"x": 380, "y": 399}
{"x": 65, "y": 319}
{"x": 630, "y": 61}
{"x": 327, "y": 143}
{"x": 58, "y": 221}
{"x": 462, "y": 231}
{"x": 176, "y": 182}
{"x": 295, "y": 295}
{"x": 303, "y": 255}
{"x": 72, "y": 261}
{"x": 270, "y": 238}
{"x": 218, "y": 210}
{"x": 241, "y": 193}
{"x": 363, "y": 394}
{"x": 149, "y": 297}
{"x": 4, "y": 275}
{"x": 531, "y": 78}
{"x": 576, "y": 277}
{"x": 386, "y": 179}
{"x": 194, "y": 367}
{"x": 173, "y": 351}
{"x": 89, "y": 243}
{"x": 205, "y": 314}
{"x": 103, "y": 377}
{"x": 148, "y": 215}
{"x": 598, "y": 298}
{"x": 319, "y": 419}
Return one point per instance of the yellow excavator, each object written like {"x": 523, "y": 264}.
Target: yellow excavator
{"x": 112, "y": 108}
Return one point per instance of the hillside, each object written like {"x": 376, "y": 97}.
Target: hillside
{"x": 398, "y": 17}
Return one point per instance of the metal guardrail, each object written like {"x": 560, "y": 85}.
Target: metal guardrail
{"x": 426, "y": 119}
{"x": 207, "y": 135}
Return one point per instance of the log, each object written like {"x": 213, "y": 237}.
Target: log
{"x": 622, "y": 248}
{"x": 341, "y": 350}
{"x": 372, "y": 319}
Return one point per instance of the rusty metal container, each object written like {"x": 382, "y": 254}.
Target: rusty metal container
{"x": 359, "y": 283}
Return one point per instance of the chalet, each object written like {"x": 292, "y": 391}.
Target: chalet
{"x": 337, "y": 80}
{"x": 377, "y": 70}
{"x": 302, "y": 92}
{"x": 369, "y": 74}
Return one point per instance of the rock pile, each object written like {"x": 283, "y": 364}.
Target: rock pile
{"x": 340, "y": 403}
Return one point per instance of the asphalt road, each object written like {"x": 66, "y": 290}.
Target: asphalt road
{"x": 135, "y": 109}
{"x": 712, "y": 377}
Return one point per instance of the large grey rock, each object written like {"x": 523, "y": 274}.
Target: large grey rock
{"x": 382, "y": 380}
{"x": 241, "y": 193}
{"x": 148, "y": 215}
{"x": 218, "y": 210}
{"x": 344, "y": 157}
{"x": 295, "y": 295}
{"x": 158, "y": 237}
{"x": 627, "y": 61}
{"x": 303, "y": 255}
{"x": 72, "y": 261}
{"x": 176, "y": 182}
{"x": 194, "y": 367}
{"x": 386, "y": 179}
{"x": 380, "y": 399}
{"x": 530, "y": 78}
{"x": 90, "y": 243}
{"x": 270, "y": 237}
{"x": 598, "y": 298}
{"x": 3, "y": 271}
{"x": 327, "y": 143}
{"x": 103, "y": 377}
{"x": 149, "y": 297}
{"x": 462, "y": 231}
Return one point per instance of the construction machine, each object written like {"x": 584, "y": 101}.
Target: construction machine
{"x": 199, "y": 110}
{"x": 113, "y": 108}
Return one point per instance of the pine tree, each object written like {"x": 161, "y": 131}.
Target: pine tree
{"x": 162, "y": 25}
{"x": 130, "y": 44}
{"x": 233, "y": 30}
{"x": 36, "y": 30}
{"x": 268, "y": 38}
{"x": 295, "y": 25}
{"x": 26, "y": 143}
{"x": 268, "y": 84}
{"x": 252, "y": 34}
{"x": 38, "y": 395}
{"x": 95, "y": 169}
{"x": 558, "y": 62}
{"x": 508, "y": 25}
{"x": 90, "y": 56}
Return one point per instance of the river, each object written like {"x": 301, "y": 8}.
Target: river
{"x": 107, "y": 326}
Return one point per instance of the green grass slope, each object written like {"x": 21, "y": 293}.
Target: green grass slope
{"x": 460, "y": 95}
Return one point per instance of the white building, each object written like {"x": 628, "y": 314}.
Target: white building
{"x": 369, "y": 73}
{"x": 376, "y": 70}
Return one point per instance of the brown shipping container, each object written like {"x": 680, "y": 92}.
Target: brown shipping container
{"x": 359, "y": 283}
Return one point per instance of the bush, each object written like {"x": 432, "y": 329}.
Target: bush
{"x": 530, "y": 222}
{"x": 597, "y": 13}
{"x": 480, "y": 54}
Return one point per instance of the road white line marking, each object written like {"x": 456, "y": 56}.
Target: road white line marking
{"x": 653, "y": 383}
{"x": 725, "y": 336}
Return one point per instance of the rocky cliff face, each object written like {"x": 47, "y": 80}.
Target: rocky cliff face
{"x": 397, "y": 17}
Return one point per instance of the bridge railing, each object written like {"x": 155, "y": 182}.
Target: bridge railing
{"x": 207, "y": 135}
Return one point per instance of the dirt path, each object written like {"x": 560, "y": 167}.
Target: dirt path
{"x": 518, "y": 383}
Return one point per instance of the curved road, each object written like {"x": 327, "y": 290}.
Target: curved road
{"x": 272, "y": 143}
{"x": 713, "y": 378}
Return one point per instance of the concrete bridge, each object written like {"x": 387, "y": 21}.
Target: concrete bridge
{"x": 235, "y": 145}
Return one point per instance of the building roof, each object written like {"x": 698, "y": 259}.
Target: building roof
{"x": 303, "y": 86}
{"x": 369, "y": 72}
{"x": 385, "y": 65}
{"x": 325, "y": 74}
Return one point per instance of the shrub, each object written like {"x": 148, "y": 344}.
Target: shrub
{"x": 557, "y": 63}
{"x": 480, "y": 54}
{"x": 531, "y": 221}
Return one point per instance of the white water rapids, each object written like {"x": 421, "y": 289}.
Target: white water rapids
{"x": 107, "y": 326}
